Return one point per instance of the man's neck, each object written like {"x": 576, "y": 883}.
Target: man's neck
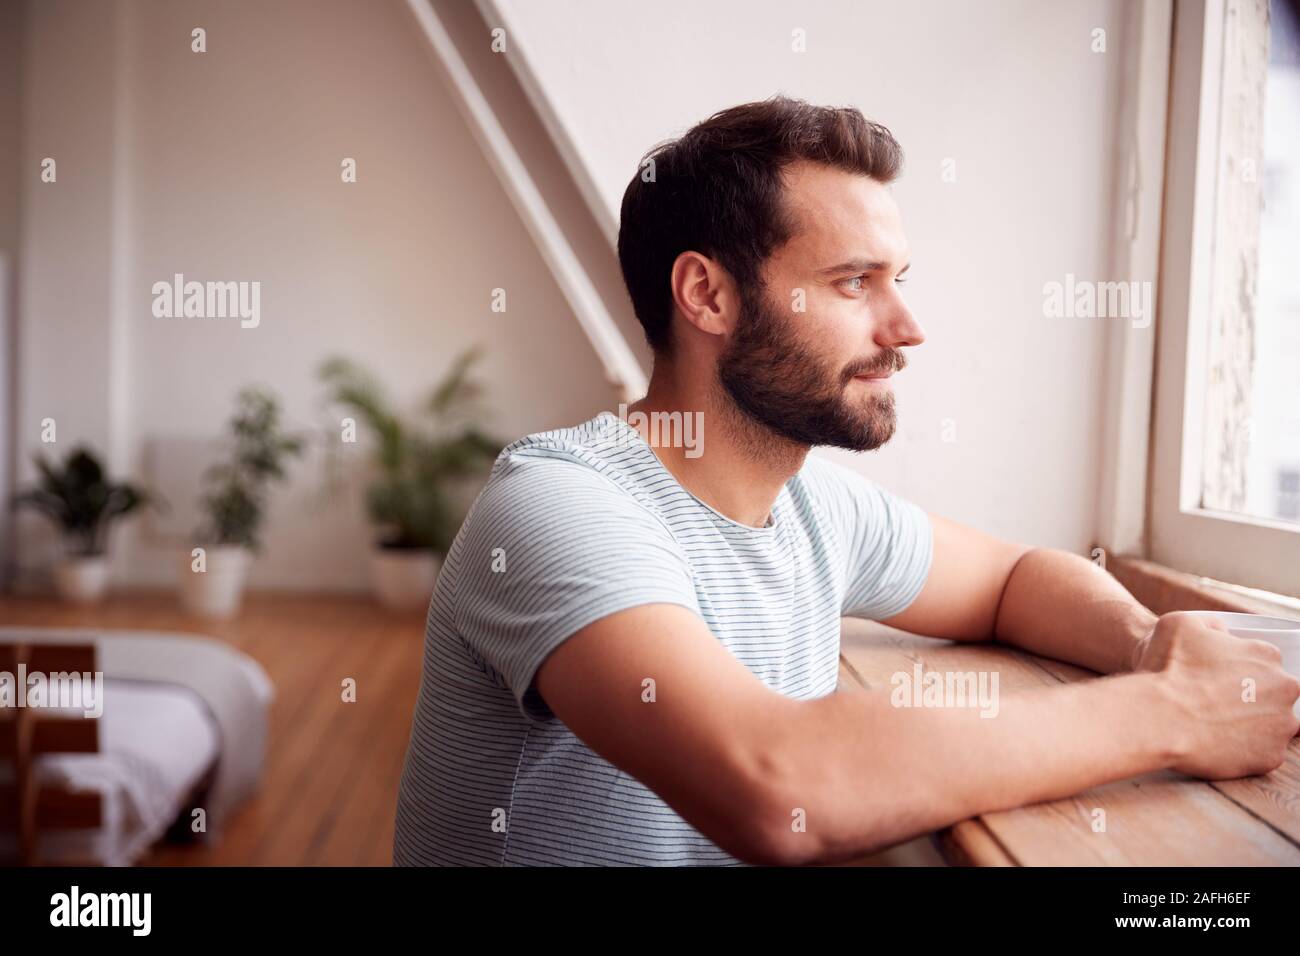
{"x": 738, "y": 466}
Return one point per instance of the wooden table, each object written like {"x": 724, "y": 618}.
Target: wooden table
{"x": 1158, "y": 819}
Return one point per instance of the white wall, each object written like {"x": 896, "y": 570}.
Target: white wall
{"x": 11, "y": 32}
{"x": 1013, "y": 92}
{"x": 225, "y": 166}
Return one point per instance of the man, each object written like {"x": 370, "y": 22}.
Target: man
{"x": 632, "y": 649}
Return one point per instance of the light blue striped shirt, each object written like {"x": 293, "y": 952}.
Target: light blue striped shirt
{"x": 574, "y": 525}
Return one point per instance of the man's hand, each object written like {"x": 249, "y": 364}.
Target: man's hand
{"x": 1204, "y": 670}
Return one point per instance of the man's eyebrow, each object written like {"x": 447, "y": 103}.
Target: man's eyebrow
{"x": 854, "y": 266}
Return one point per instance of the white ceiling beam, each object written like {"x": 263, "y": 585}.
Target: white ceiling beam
{"x": 621, "y": 366}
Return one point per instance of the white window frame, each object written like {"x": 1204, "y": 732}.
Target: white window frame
{"x": 1255, "y": 552}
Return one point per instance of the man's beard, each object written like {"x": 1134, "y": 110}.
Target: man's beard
{"x": 787, "y": 389}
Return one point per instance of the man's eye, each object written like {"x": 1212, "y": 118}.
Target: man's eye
{"x": 901, "y": 280}
{"x": 854, "y": 284}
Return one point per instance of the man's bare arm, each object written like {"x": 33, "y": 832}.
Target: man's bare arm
{"x": 738, "y": 760}
{"x": 1046, "y": 601}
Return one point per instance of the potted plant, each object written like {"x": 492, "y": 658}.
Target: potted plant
{"x": 213, "y": 575}
{"x": 84, "y": 504}
{"x": 421, "y": 470}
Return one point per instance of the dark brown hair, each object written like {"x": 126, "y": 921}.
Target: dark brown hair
{"x": 717, "y": 190}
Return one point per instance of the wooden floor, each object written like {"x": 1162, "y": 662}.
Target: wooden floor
{"x": 330, "y": 786}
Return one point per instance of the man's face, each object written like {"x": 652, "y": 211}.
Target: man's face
{"x": 813, "y": 350}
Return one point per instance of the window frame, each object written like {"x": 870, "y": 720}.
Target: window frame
{"x": 1253, "y": 551}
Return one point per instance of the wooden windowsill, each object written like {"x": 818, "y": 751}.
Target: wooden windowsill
{"x": 1163, "y": 589}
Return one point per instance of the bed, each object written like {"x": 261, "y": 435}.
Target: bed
{"x": 183, "y": 726}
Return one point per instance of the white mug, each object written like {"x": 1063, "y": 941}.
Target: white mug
{"x": 1282, "y": 633}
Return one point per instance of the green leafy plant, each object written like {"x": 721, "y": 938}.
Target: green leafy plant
{"x": 418, "y": 464}
{"x": 80, "y": 500}
{"x": 235, "y": 499}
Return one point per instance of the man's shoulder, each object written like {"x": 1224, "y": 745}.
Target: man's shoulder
{"x": 586, "y": 468}
{"x": 563, "y": 496}
{"x": 596, "y": 448}
{"x": 594, "y": 438}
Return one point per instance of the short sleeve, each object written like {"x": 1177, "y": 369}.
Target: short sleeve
{"x": 550, "y": 546}
{"x": 888, "y": 540}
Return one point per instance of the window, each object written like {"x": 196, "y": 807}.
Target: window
{"x": 1268, "y": 453}
{"x": 1225, "y": 480}
{"x": 1288, "y": 494}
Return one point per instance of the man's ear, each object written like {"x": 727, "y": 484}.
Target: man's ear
{"x": 704, "y": 293}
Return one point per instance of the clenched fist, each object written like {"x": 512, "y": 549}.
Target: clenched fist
{"x": 1231, "y": 700}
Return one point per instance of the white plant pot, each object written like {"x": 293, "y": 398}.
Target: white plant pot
{"x": 82, "y": 580}
{"x": 217, "y": 590}
{"x": 404, "y": 578}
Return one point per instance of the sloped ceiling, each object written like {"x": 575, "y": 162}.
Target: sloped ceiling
{"x": 536, "y": 174}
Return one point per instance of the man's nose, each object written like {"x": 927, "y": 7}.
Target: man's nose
{"x": 900, "y": 328}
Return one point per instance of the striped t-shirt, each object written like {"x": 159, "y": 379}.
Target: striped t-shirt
{"x": 574, "y": 525}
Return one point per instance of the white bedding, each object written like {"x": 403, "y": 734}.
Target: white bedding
{"x": 177, "y": 701}
{"x": 156, "y": 743}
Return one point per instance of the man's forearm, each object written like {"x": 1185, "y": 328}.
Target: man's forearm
{"x": 869, "y": 774}
{"x": 1060, "y": 605}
